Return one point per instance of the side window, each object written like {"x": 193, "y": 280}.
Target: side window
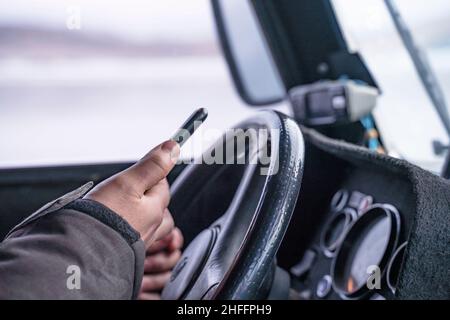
{"x": 97, "y": 81}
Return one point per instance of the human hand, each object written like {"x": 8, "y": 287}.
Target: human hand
{"x": 162, "y": 256}
{"x": 140, "y": 194}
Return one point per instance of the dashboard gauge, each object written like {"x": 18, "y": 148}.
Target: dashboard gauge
{"x": 369, "y": 242}
{"x": 339, "y": 200}
{"x": 334, "y": 231}
{"x": 394, "y": 267}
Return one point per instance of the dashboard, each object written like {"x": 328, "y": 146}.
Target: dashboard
{"x": 356, "y": 254}
{"x": 349, "y": 231}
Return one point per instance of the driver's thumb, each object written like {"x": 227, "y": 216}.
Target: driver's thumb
{"x": 155, "y": 165}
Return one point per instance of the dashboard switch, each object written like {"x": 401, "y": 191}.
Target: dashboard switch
{"x": 323, "y": 286}
{"x": 305, "y": 264}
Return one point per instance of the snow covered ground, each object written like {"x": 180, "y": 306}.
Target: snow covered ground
{"x": 107, "y": 110}
{"x": 91, "y": 111}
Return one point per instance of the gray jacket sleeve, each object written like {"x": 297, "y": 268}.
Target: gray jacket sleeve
{"x": 72, "y": 249}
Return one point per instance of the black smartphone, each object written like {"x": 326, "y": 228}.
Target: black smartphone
{"x": 190, "y": 125}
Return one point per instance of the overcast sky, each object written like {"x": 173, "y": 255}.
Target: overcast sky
{"x": 415, "y": 12}
{"x": 135, "y": 19}
{"x": 178, "y": 19}
{"x": 429, "y": 20}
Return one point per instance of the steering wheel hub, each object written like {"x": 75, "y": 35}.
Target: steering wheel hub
{"x": 190, "y": 265}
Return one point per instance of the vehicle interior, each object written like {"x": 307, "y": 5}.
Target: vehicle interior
{"x": 340, "y": 213}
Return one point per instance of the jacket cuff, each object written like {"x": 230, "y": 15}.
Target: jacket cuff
{"x": 107, "y": 216}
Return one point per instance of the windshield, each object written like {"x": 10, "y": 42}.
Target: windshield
{"x": 406, "y": 115}
{"x": 92, "y": 82}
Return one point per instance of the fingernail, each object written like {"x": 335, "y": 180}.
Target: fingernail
{"x": 173, "y": 148}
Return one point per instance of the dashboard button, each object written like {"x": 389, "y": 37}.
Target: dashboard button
{"x": 323, "y": 286}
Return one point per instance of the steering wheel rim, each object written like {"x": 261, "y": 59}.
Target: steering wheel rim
{"x": 234, "y": 256}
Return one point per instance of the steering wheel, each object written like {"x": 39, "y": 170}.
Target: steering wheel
{"x": 234, "y": 257}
